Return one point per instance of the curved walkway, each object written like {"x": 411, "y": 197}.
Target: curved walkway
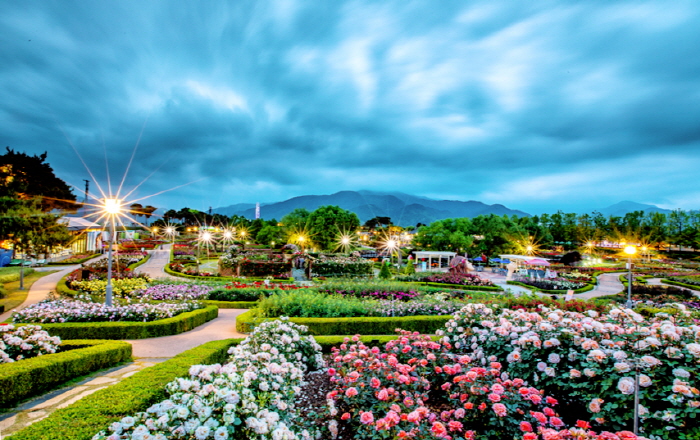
{"x": 608, "y": 284}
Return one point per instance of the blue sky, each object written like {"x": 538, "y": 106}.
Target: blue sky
{"x": 535, "y": 105}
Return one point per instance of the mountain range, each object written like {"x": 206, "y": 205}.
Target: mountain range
{"x": 622, "y": 208}
{"x": 403, "y": 209}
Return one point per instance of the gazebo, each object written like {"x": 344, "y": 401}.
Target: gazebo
{"x": 424, "y": 265}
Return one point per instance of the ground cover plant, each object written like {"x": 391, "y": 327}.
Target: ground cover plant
{"x": 25, "y": 342}
{"x": 587, "y": 362}
{"x": 62, "y": 310}
{"x": 10, "y": 274}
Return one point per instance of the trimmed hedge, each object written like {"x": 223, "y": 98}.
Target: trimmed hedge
{"x": 30, "y": 377}
{"x": 132, "y": 330}
{"x": 169, "y": 271}
{"x": 679, "y": 284}
{"x": 95, "y": 412}
{"x": 245, "y": 323}
{"x": 586, "y": 288}
{"x": 461, "y": 286}
{"x": 231, "y": 304}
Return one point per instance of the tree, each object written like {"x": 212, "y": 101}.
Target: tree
{"x": 29, "y": 228}
{"x": 28, "y": 177}
{"x": 296, "y": 219}
{"x": 326, "y": 223}
{"x": 148, "y": 211}
{"x": 136, "y": 209}
{"x": 376, "y": 221}
{"x": 269, "y": 234}
{"x": 384, "y": 272}
{"x": 453, "y": 234}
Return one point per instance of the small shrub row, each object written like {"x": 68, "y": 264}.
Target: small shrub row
{"x": 586, "y": 288}
{"x": 30, "y": 377}
{"x": 232, "y": 304}
{"x": 133, "y": 330}
{"x": 246, "y": 322}
{"x": 91, "y": 414}
{"x": 13, "y": 275}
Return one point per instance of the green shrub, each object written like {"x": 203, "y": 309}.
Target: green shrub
{"x": 586, "y": 288}
{"x": 241, "y": 294}
{"x": 351, "y": 326}
{"x": 410, "y": 268}
{"x": 30, "y": 377}
{"x": 3, "y": 292}
{"x": 132, "y": 330}
{"x": 93, "y": 413}
{"x": 385, "y": 272}
{"x": 311, "y": 303}
{"x": 232, "y": 304}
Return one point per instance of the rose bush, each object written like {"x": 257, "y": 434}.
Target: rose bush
{"x": 25, "y": 342}
{"x": 588, "y": 361}
{"x": 251, "y": 396}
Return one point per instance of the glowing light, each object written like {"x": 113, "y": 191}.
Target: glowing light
{"x": 112, "y": 206}
{"x": 630, "y": 250}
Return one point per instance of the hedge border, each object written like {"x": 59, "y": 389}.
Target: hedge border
{"x": 456, "y": 286}
{"x": 245, "y": 323}
{"x": 31, "y": 377}
{"x": 586, "y": 288}
{"x": 95, "y": 412}
{"x": 679, "y": 284}
{"x": 231, "y": 304}
{"x": 169, "y": 271}
{"x": 131, "y": 330}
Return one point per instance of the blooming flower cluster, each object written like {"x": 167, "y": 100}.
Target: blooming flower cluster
{"x": 464, "y": 279}
{"x": 417, "y": 388}
{"x": 251, "y": 396}
{"x": 56, "y": 311}
{"x": 590, "y": 360}
{"x": 120, "y": 286}
{"x": 173, "y": 292}
{"x": 551, "y": 284}
{"x": 25, "y": 342}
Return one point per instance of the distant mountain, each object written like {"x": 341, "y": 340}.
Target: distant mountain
{"x": 622, "y": 208}
{"x": 403, "y": 209}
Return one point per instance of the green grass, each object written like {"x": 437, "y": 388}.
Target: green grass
{"x": 15, "y": 296}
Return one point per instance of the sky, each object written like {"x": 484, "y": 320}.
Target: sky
{"x": 539, "y": 106}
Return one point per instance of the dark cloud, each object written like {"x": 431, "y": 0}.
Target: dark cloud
{"x": 538, "y": 106}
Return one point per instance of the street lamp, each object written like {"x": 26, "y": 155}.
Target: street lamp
{"x": 630, "y": 251}
{"x": 112, "y": 208}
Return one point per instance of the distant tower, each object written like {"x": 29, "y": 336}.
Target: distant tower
{"x": 257, "y": 210}
{"x": 87, "y": 189}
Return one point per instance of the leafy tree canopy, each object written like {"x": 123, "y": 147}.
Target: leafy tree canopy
{"x": 26, "y": 177}
{"x": 327, "y": 222}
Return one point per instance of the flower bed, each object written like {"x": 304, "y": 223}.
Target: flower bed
{"x": 460, "y": 279}
{"x": 656, "y": 294}
{"x": 586, "y": 361}
{"x": 340, "y": 266}
{"x": 121, "y": 287}
{"x": 25, "y": 342}
{"x": 173, "y": 292}
{"x": 414, "y": 387}
{"x": 78, "y": 311}
{"x": 553, "y": 284}
{"x": 693, "y": 280}
{"x": 252, "y": 396}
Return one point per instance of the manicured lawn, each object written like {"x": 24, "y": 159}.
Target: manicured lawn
{"x": 15, "y": 296}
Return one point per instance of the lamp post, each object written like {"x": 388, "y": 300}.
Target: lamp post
{"x": 630, "y": 251}
{"x": 112, "y": 208}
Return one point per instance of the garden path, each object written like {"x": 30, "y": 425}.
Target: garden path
{"x": 155, "y": 266}
{"x": 43, "y": 286}
{"x": 657, "y": 282}
{"x": 608, "y": 284}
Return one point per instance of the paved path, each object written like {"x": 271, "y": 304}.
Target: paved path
{"x": 657, "y": 282}
{"x": 608, "y": 284}
{"x": 155, "y": 265}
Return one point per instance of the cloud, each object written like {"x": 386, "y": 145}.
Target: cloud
{"x": 533, "y": 105}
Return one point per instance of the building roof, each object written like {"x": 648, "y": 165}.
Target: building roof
{"x": 79, "y": 223}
